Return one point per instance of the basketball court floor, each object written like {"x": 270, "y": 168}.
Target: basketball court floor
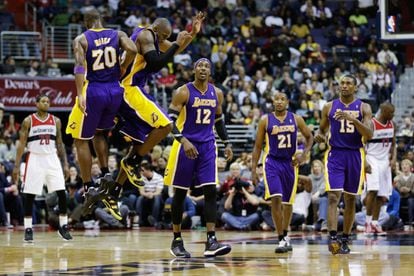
{"x": 146, "y": 252}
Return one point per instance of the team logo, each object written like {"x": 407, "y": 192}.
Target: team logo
{"x": 154, "y": 117}
{"x": 72, "y": 125}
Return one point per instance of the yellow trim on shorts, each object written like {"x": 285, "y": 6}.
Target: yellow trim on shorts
{"x": 138, "y": 64}
{"x": 76, "y": 118}
{"x": 295, "y": 185}
{"x": 362, "y": 171}
{"x": 325, "y": 173}
{"x": 172, "y": 163}
{"x": 145, "y": 108}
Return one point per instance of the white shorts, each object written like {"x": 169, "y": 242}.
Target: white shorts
{"x": 43, "y": 169}
{"x": 380, "y": 179}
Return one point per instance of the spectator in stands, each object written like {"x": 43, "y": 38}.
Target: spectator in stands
{"x": 308, "y": 10}
{"x": 300, "y": 29}
{"x": 381, "y": 85}
{"x": 241, "y": 207}
{"x": 10, "y": 200}
{"x": 11, "y": 127}
{"x": 323, "y": 14}
{"x": 407, "y": 128}
{"x": 319, "y": 196}
{"x": 149, "y": 203}
{"x": 405, "y": 186}
{"x": 387, "y": 57}
{"x": 358, "y": 18}
{"x": 8, "y": 150}
{"x": 9, "y": 66}
{"x": 166, "y": 81}
{"x": 34, "y": 68}
{"x": 73, "y": 180}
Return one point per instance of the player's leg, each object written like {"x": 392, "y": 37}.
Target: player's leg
{"x": 290, "y": 176}
{"x": 208, "y": 179}
{"x": 146, "y": 123}
{"x": 101, "y": 148}
{"x": 372, "y": 187}
{"x": 177, "y": 175}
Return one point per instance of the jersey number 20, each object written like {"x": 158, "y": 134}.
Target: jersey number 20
{"x": 105, "y": 58}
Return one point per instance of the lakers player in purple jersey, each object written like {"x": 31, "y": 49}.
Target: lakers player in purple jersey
{"x": 99, "y": 93}
{"x": 280, "y": 162}
{"x": 196, "y": 109}
{"x": 145, "y": 122}
{"x": 344, "y": 126}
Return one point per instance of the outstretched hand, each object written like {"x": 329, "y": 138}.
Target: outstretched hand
{"x": 197, "y": 22}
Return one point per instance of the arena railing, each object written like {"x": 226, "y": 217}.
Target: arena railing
{"x": 21, "y": 45}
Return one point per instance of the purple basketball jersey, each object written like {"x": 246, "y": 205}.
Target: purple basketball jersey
{"x": 281, "y": 137}
{"x": 137, "y": 74}
{"x": 102, "y": 55}
{"x": 342, "y": 133}
{"x": 196, "y": 120}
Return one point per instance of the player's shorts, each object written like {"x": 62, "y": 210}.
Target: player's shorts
{"x": 102, "y": 104}
{"x": 344, "y": 170}
{"x": 280, "y": 178}
{"x": 141, "y": 114}
{"x": 380, "y": 179}
{"x": 43, "y": 169}
{"x": 181, "y": 171}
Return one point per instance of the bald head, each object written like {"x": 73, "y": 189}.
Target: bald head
{"x": 92, "y": 19}
{"x": 162, "y": 27}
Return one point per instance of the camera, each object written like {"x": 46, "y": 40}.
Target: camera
{"x": 239, "y": 184}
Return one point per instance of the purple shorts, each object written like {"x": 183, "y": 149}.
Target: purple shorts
{"x": 102, "y": 104}
{"x": 344, "y": 170}
{"x": 181, "y": 171}
{"x": 280, "y": 179}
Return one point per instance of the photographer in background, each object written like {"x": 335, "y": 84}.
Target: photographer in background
{"x": 241, "y": 207}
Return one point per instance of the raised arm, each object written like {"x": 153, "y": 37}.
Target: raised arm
{"x": 24, "y": 132}
{"x": 61, "y": 147}
{"x": 258, "y": 145}
{"x": 155, "y": 61}
{"x": 79, "y": 48}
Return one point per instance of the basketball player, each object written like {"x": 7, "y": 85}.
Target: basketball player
{"x": 99, "y": 93}
{"x": 380, "y": 156}
{"x": 41, "y": 133}
{"x": 279, "y": 130}
{"x": 349, "y": 122}
{"x": 146, "y": 123}
{"x": 196, "y": 108}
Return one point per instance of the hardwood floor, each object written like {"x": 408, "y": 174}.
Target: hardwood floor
{"x": 146, "y": 252}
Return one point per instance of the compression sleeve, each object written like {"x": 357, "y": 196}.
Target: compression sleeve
{"x": 156, "y": 61}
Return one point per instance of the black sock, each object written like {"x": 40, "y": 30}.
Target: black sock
{"x": 134, "y": 160}
{"x": 211, "y": 234}
{"x": 345, "y": 236}
{"x": 104, "y": 171}
{"x": 87, "y": 185}
{"x": 177, "y": 235}
{"x": 333, "y": 234}
{"x": 281, "y": 237}
{"x": 285, "y": 233}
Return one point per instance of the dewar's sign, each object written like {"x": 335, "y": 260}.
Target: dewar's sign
{"x": 19, "y": 93}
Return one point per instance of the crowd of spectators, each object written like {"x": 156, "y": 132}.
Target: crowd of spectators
{"x": 257, "y": 48}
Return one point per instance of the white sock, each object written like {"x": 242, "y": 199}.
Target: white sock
{"x": 368, "y": 219}
{"x": 63, "y": 220}
{"x": 28, "y": 222}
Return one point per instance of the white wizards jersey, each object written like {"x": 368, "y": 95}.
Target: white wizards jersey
{"x": 380, "y": 144}
{"x": 42, "y": 135}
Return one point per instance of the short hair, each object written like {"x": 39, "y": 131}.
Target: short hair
{"x": 408, "y": 162}
{"x": 146, "y": 165}
{"x": 351, "y": 77}
{"x": 92, "y": 16}
{"x": 40, "y": 96}
{"x": 384, "y": 104}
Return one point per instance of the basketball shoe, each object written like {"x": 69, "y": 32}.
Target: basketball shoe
{"x": 288, "y": 244}
{"x": 282, "y": 246}
{"x": 334, "y": 245}
{"x": 112, "y": 205}
{"x": 64, "y": 232}
{"x": 28, "y": 235}
{"x": 344, "y": 249}
{"x": 178, "y": 250}
{"x": 214, "y": 248}
{"x": 93, "y": 194}
{"x": 132, "y": 172}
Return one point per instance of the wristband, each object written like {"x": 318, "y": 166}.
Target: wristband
{"x": 79, "y": 69}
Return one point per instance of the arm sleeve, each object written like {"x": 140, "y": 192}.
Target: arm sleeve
{"x": 221, "y": 129}
{"x": 156, "y": 61}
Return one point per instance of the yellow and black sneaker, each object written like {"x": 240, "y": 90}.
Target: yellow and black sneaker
{"x": 133, "y": 175}
{"x": 112, "y": 206}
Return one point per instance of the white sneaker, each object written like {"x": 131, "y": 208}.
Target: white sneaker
{"x": 282, "y": 246}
